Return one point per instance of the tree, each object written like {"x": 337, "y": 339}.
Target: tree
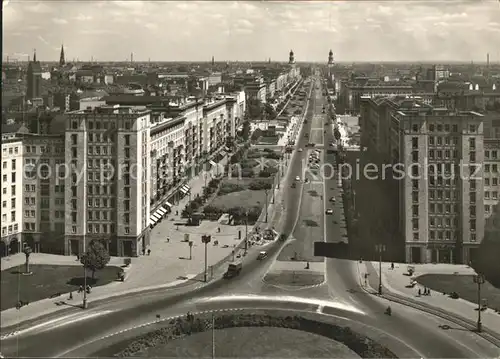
{"x": 95, "y": 257}
{"x": 27, "y": 252}
{"x": 486, "y": 261}
{"x": 254, "y": 109}
{"x": 270, "y": 111}
{"x": 245, "y": 133}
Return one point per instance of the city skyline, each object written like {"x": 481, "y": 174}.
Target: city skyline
{"x": 253, "y": 31}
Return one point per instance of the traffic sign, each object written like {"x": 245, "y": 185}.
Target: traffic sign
{"x": 206, "y": 239}
{"x": 186, "y": 237}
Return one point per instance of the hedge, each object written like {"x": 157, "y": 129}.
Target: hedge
{"x": 181, "y": 327}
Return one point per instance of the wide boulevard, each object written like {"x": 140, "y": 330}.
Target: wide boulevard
{"x": 408, "y": 332}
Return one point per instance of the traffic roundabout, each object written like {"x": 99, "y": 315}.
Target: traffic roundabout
{"x": 340, "y": 328}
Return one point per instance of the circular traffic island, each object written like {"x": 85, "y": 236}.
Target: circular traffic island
{"x": 256, "y": 342}
{"x": 246, "y": 334}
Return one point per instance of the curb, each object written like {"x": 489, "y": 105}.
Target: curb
{"x": 486, "y": 334}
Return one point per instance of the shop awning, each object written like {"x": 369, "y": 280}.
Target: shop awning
{"x": 185, "y": 189}
{"x": 151, "y": 223}
{"x": 161, "y": 211}
{"x": 156, "y": 217}
{"x": 153, "y": 220}
{"x": 212, "y": 163}
{"x": 168, "y": 204}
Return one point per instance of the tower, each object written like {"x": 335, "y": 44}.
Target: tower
{"x": 131, "y": 57}
{"x": 62, "y": 61}
{"x": 34, "y": 79}
{"x": 291, "y": 58}
{"x": 213, "y": 60}
{"x": 330, "y": 58}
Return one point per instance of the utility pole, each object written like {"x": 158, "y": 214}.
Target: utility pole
{"x": 380, "y": 249}
{"x": 479, "y": 280}
{"x": 205, "y": 239}
{"x": 190, "y": 250}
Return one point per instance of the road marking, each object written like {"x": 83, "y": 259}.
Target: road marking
{"x": 56, "y": 323}
{"x": 285, "y": 299}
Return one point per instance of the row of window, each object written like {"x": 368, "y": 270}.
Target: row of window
{"x": 493, "y": 154}
{"x": 12, "y": 216}
{"x": 102, "y": 123}
{"x": 10, "y": 229}
{"x": 101, "y": 228}
{"x": 444, "y": 235}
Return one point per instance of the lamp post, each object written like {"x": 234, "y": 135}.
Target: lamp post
{"x": 479, "y": 280}
{"x": 246, "y": 232}
{"x": 265, "y": 204}
{"x": 380, "y": 249}
{"x": 205, "y": 239}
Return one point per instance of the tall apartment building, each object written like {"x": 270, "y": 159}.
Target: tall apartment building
{"x": 12, "y": 194}
{"x": 443, "y": 199}
{"x": 491, "y": 174}
{"x": 107, "y": 193}
{"x": 441, "y": 208}
{"x": 32, "y": 195}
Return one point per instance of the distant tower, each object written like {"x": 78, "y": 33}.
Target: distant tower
{"x": 132, "y": 57}
{"x": 269, "y": 60}
{"x": 291, "y": 58}
{"x": 488, "y": 60}
{"x": 213, "y": 61}
{"x": 34, "y": 79}
{"x": 62, "y": 61}
{"x": 330, "y": 58}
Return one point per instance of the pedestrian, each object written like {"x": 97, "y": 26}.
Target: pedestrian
{"x": 419, "y": 292}
{"x": 392, "y": 265}
{"x": 149, "y": 252}
{"x": 176, "y": 213}
{"x": 143, "y": 251}
{"x": 168, "y": 240}
{"x": 70, "y": 296}
{"x": 218, "y": 229}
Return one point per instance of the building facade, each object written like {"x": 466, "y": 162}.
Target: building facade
{"x": 108, "y": 189}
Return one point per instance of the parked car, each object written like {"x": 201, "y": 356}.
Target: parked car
{"x": 329, "y": 211}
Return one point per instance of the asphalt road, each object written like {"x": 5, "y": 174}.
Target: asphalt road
{"x": 418, "y": 333}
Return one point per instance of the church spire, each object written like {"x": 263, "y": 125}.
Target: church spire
{"x": 34, "y": 55}
{"x": 62, "y": 61}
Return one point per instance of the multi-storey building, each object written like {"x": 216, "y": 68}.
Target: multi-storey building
{"x": 440, "y": 198}
{"x": 32, "y": 197}
{"x": 108, "y": 189}
{"x": 491, "y": 175}
{"x": 44, "y": 193}
{"x": 12, "y": 194}
{"x": 167, "y": 158}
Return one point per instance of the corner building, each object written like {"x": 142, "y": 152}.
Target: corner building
{"x": 442, "y": 197}
{"x": 107, "y": 193}
{"x": 440, "y": 200}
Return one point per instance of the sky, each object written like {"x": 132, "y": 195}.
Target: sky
{"x": 421, "y": 30}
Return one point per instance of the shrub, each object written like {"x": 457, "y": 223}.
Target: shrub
{"x": 230, "y": 188}
{"x": 360, "y": 344}
{"x": 273, "y": 155}
{"x": 259, "y": 185}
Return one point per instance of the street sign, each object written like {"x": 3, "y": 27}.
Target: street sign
{"x": 186, "y": 237}
{"x": 190, "y": 243}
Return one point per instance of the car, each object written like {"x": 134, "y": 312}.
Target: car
{"x": 262, "y": 255}
{"x": 329, "y": 211}
{"x": 332, "y": 199}
{"x": 297, "y": 178}
{"x": 300, "y": 149}
{"x": 294, "y": 185}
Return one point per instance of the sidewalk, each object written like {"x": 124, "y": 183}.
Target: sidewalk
{"x": 167, "y": 266}
{"x": 395, "y": 282}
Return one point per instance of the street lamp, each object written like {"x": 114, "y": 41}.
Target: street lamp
{"x": 479, "y": 280}
{"x": 246, "y": 232}
{"x": 205, "y": 239}
{"x": 380, "y": 249}
{"x": 265, "y": 204}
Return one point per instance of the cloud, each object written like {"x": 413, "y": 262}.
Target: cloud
{"x": 39, "y": 37}
{"x": 38, "y": 8}
{"x": 97, "y": 32}
{"x": 82, "y": 17}
{"x": 151, "y": 26}
{"x": 244, "y": 23}
{"x": 59, "y": 21}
